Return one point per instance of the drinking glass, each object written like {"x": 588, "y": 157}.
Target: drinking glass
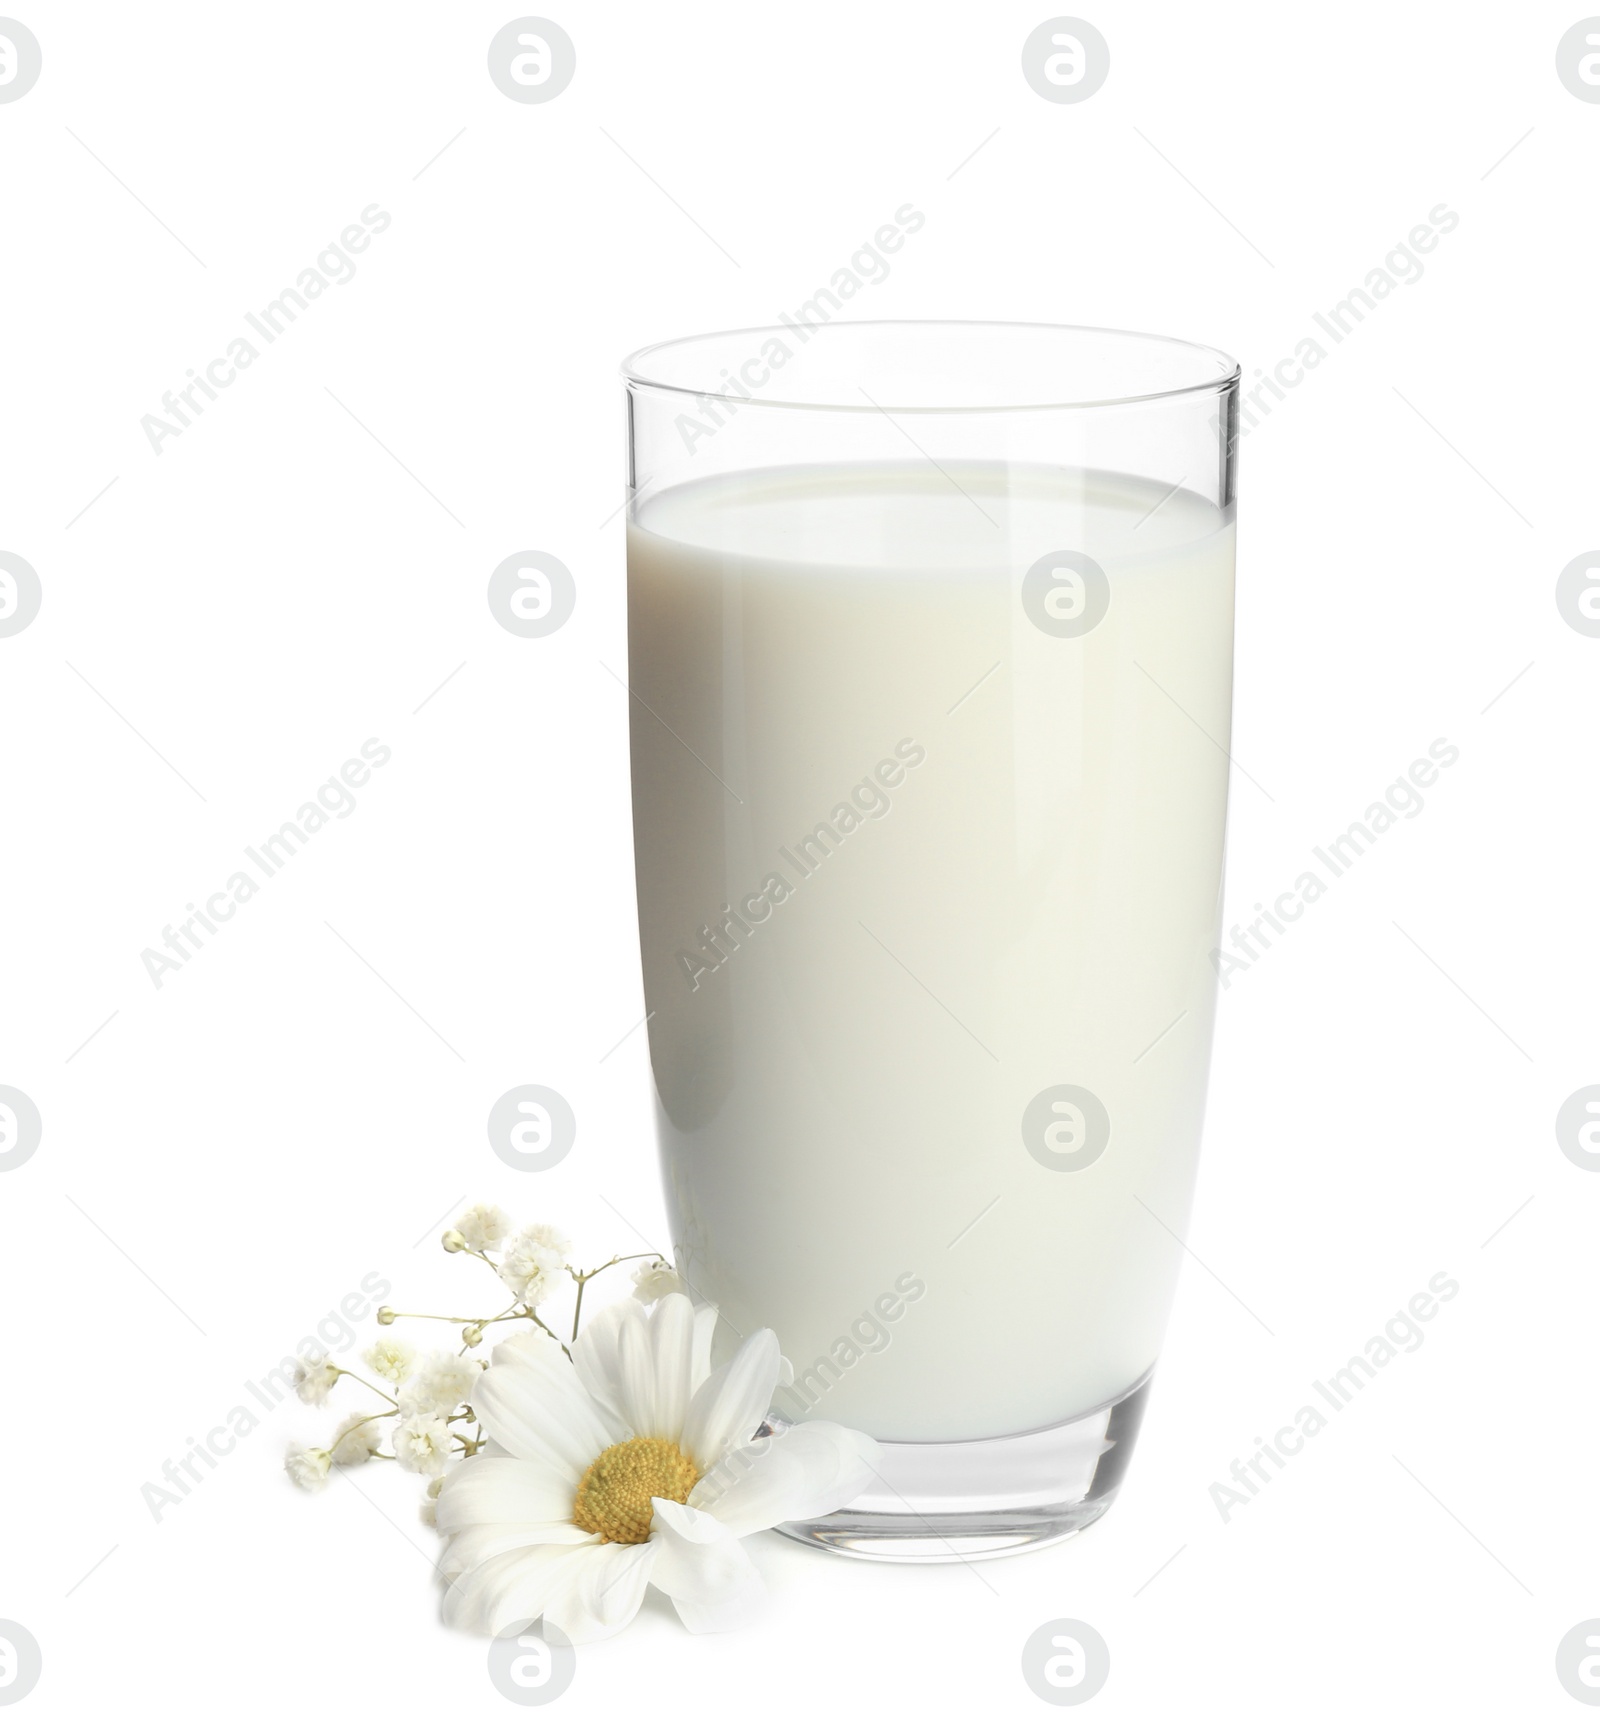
{"x": 930, "y": 649}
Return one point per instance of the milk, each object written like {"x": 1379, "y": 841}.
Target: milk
{"x": 1021, "y": 890}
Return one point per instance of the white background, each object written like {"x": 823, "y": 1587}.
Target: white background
{"x": 232, "y": 618}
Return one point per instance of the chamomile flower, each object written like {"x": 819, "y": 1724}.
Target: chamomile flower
{"x": 631, "y": 1464}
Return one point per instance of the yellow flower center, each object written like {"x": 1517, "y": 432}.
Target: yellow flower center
{"x": 614, "y": 1495}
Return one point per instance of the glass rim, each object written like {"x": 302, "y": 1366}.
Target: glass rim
{"x": 1229, "y": 372}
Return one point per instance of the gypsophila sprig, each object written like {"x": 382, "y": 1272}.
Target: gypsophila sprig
{"x": 427, "y": 1424}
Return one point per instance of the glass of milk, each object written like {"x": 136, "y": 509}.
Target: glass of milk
{"x": 930, "y": 647}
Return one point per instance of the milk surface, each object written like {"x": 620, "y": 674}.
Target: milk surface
{"x": 905, "y": 861}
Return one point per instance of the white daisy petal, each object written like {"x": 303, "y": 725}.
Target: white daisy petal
{"x": 705, "y": 1326}
{"x": 520, "y": 1342}
{"x": 532, "y": 1401}
{"x": 703, "y": 1569}
{"x": 672, "y": 1336}
{"x": 811, "y": 1469}
{"x": 603, "y": 1593}
{"x": 655, "y": 1359}
{"x": 487, "y": 1489}
{"x": 596, "y": 1355}
{"x": 475, "y": 1545}
{"x": 636, "y": 1380}
{"x": 511, "y": 1589}
{"x": 732, "y": 1402}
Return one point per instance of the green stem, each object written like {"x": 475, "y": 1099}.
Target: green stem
{"x": 582, "y": 1278}
{"x": 550, "y": 1333}
{"x": 363, "y": 1422}
{"x": 345, "y": 1372}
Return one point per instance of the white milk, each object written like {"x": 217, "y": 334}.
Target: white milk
{"x": 1026, "y": 895}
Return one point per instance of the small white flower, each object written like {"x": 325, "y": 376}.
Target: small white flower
{"x": 548, "y": 1234}
{"x": 390, "y": 1357}
{"x": 652, "y": 1282}
{"x": 483, "y": 1227}
{"x": 357, "y": 1439}
{"x": 630, "y": 1464}
{"x": 530, "y": 1267}
{"x": 313, "y": 1379}
{"x": 421, "y": 1443}
{"x": 308, "y": 1468}
{"x": 442, "y": 1385}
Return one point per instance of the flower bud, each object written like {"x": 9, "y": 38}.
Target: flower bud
{"x": 385, "y": 1315}
{"x": 472, "y": 1335}
{"x": 454, "y": 1240}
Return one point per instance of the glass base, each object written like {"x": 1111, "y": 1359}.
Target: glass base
{"x": 989, "y": 1497}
